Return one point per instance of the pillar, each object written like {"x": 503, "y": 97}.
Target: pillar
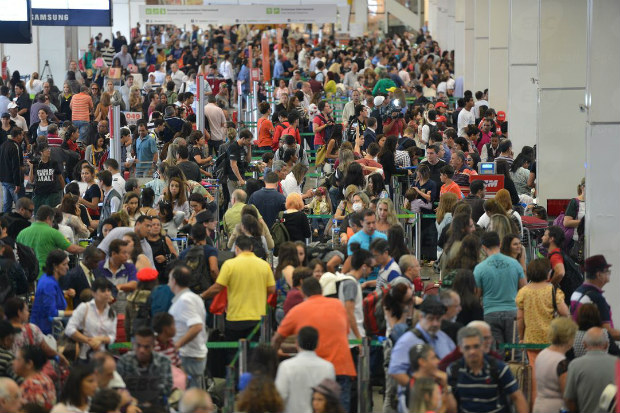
{"x": 561, "y": 81}
{"x": 602, "y": 145}
{"x": 120, "y": 18}
{"x": 522, "y": 73}
{"x": 470, "y": 18}
{"x": 481, "y": 45}
{"x": 450, "y": 24}
{"x": 499, "y": 22}
{"x": 459, "y": 38}
{"x": 361, "y": 14}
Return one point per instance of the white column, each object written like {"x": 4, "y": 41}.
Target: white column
{"x": 499, "y": 20}
{"x": 120, "y": 18}
{"x": 450, "y": 24}
{"x": 470, "y": 17}
{"x": 522, "y": 73}
{"x": 562, "y": 79}
{"x": 459, "y": 38}
{"x": 24, "y": 57}
{"x": 361, "y": 13}
{"x": 481, "y": 45}
{"x": 134, "y": 13}
{"x": 603, "y": 146}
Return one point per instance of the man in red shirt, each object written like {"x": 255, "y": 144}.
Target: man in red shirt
{"x": 552, "y": 239}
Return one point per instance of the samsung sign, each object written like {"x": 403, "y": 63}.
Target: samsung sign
{"x": 72, "y": 12}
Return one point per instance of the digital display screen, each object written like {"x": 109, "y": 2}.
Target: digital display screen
{"x": 15, "y": 25}
{"x": 486, "y": 168}
{"x": 72, "y": 12}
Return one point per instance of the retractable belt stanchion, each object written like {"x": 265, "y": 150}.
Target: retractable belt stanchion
{"x": 200, "y": 106}
{"x": 114, "y": 115}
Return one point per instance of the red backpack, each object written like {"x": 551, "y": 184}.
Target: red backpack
{"x": 374, "y": 316}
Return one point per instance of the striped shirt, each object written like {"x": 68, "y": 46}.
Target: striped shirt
{"x": 81, "y": 107}
{"x": 168, "y": 350}
{"x": 108, "y": 54}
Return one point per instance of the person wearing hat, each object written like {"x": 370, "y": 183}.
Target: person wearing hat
{"x": 18, "y": 119}
{"x": 7, "y": 333}
{"x": 597, "y": 272}
{"x": 138, "y": 310}
{"x": 325, "y": 397}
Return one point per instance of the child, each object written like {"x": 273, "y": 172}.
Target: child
{"x": 320, "y": 205}
{"x": 267, "y": 163}
{"x": 165, "y": 330}
{"x": 414, "y": 203}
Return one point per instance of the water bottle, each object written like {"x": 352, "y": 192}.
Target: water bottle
{"x": 335, "y": 232}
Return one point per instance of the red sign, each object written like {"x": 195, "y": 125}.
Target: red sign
{"x": 493, "y": 182}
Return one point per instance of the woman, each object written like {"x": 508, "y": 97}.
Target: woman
{"x": 468, "y": 255}
{"x": 49, "y": 299}
{"x": 281, "y": 89}
{"x": 150, "y": 58}
{"x": 461, "y": 226}
{"x": 170, "y": 222}
{"x": 131, "y": 205}
{"x": 176, "y": 195}
{"x": 447, "y": 203}
{"x": 302, "y": 253}
{"x": 91, "y": 197}
{"x": 345, "y": 207}
{"x": 386, "y": 215}
{"x": 96, "y": 153}
{"x": 81, "y": 385}
{"x": 200, "y": 150}
{"x": 147, "y": 201}
{"x": 520, "y": 173}
{"x": 465, "y": 285}
{"x": 473, "y": 159}
{"x": 354, "y": 175}
{"x": 101, "y": 112}
{"x": 136, "y": 256}
{"x": 135, "y": 99}
{"x": 65, "y": 101}
{"x": 288, "y": 260}
{"x": 330, "y": 85}
{"x": 375, "y": 187}
{"x": 295, "y": 220}
{"x": 250, "y": 227}
{"x": 503, "y": 198}
{"x": 260, "y": 396}
{"x": 537, "y": 304}
{"x": 397, "y": 243}
{"x": 387, "y": 158}
{"x": 512, "y": 247}
{"x": 502, "y": 225}
{"x": 162, "y": 246}
{"x": 424, "y": 186}
{"x": 293, "y": 182}
{"x": 93, "y": 323}
{"x": 72, "y": 134}
{"x": 115, "y": 95}
{"x": 426, "y": 397}
{"x": 326, "y": 397}
{"x": 551, "y": 367}
{"x": 491, "y": 208}
{"x": 71, "y": 217}
{"x": 36, "y": 388}
{"x": 588, "y": 316}
{"x": 575, "y": 211}
{"x": 39, "y": 128}
{"x": 106, "y": 401}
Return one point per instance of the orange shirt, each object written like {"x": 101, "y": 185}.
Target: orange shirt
{"x": 81, "y": 106}
{"x": 265, "y": 132}
{"x": 452, "y": 187}
{"x": 329, "y": 317}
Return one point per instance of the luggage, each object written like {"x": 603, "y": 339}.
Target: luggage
{"x": 521, "y": 370}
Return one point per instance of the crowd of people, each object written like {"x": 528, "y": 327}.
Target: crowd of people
{"x": 142, "y": 250}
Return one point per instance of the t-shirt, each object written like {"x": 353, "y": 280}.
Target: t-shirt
{"x": 191, "y": 170}
{"x": 498, "y": 277}
{"x": 93, "y": 191}
{"x": 555, "y": 259}
{"x": 265, "y": 131}
{"x": 435, "y": 170}
{"x": 237, "y": 153}
{"x": 364, "y": 240}
{"x": 46, "y": 177}
{"x": 587, "y": 377}
{"x": 576, "y": 209}
{"x": 247, "y": 290}
{"x": 42, "y": 239}
{"x": 537, "y": 309}
{"x": 451, "y": 187}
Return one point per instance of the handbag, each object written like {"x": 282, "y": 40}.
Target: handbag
{"x": 219, "y": 303}
{"x": 320, "y": 155}
{"x": 556, "y": 313}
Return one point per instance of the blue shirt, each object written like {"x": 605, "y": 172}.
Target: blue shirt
{"x": 161, "y": 299}
{"x": 244, "y": 74}
{"x": 269, "y": 203}
{"x": 364, "y": 240}
{"x": 48, "y": 300}
{"x": 146, "y": 148}
{"x": 498, "y": 276}
{"x": 126, "y": 274}
{"x": 278, "y": 69}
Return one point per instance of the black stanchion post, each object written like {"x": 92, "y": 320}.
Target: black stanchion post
{"x": 229, "y": 390}
{"x": 363, "y": 377}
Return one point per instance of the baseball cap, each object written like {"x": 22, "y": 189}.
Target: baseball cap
{"x": 328, "y": 387}
{"x": 204, "y": 216}
{"x": 6, "y": 115}
{"x": 391, "y": 89}
{"x": 379, "y": 100}
{"x": 7, "y": 329}
{"x": 432, "y": 305}
{"x": 441, "y": 119}
{"x": 440, "y": 105}
{"x": 11, "y": 105}
{"x": 596, "y": 263}
{"x": 501, "y": 116}
{"x": 147, "y": 274}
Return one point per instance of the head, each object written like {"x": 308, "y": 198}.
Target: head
{"x": 597, "y": 270}
{"x": 425, "y": 395}
{"x": 485, "y": 330}
{"x": 432, "y": 312}
{"x": 562, "y": 331}
{"x": 80, "y": 386}
{"x": 196, "y": 400}
{"x": 471, "y": 345}
{"x": 143, "y": 344}
{"x": 478, "y": 189}
{"x": 409, "y": 266}
{"x": 180, "y": 278}
{"x": 142, "y": 226}
{"x": 369, "y": 221}
{"x": 102, "y": 291}
{"x": 325, "y": 397}
{"x": 511, "y": 245}
{"x": 452, "y": 301}
{"x": 105, "y": 400}
{"x": 29, "y": 360}
{"x": 57, "y": 263}
{"x": 118, "y": 252}
{"x": 553, "y": 237}
{"x": 490, "y": 242}
{"x": 596, "y": 339}
{"x": 10, "y": 396}
{"x": 25, "y": 207}
{"x": 294, "y": 201}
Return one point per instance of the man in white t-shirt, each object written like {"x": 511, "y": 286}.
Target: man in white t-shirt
{"x": 466, "y": 116}
{"x": 118, "y": 182}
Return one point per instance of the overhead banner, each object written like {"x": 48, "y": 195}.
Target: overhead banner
{"x": 72, "y": 12}
{"x": 235, "y": 14}
{"x": 15, "y": 22}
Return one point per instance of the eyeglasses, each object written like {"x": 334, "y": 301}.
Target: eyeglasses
{"x": 94, "y": 88}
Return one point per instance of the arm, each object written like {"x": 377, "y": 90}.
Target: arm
{"x": 128, "y": 287}
{"x": 330, "y": 148}
{"x": 212, "y": 291}
{"x": 350, "y": 307}
{"x": 235, "y": 169}
{"x": 74, "y": 249}
{"x": 519, "y": 402}
{"x": 615, "y": 334}
{"x": 213, "y": 268}
{"x": 520, "y": 324}
{"x": 171, "y": 247}
{"x": 558, "y": 273}
{"x": 192, "y": 332}
{"x": 426, "y": 196}
{"x": 276, "y": 340}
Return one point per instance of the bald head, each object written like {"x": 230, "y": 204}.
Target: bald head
{"x": 485, "y": 330}
{"x": 195, "y": 400}
{"x": 596, "y": 339}
{"x": 10, "y": 396}
{"x": 239, "y": 195}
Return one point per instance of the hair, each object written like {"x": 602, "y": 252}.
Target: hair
{"x": 182, "y": 274}
{"x": 467, "y": 332}
{"x": 260, "y": 396}
{"x": 308, "y": 338}
{"x": 476, "y": 186}
{"x": 447, "y": 202}
{"x": 502, "y": 197}
{"x": 181, "y": 197}
{"x": 421, "y": 394}
{"x": 294, "y": 201}
{"x": 54, "y": 258}
{"x": 465, "y": 285}
{"x": 418, "y": 352}
{"x": 490, "y": 239}
{"x": 562, "y": 331}
{"x": 468, "y": 254}
{"x": 458, "y": 229}
{"x": 45, "y": 212}
{"x": 538, "y": 270}
{"x": 72, "y": 391}
{"x": 447, "y": 170}
{"x": 394, "y": 300}
{"x": 300, "y": 274}
{"x": 104, "y": 401}
{"x": 391, "y": 217}
{"x": 505, "y": 247}
{"x": 162, "y": 320}
{"x": 287, "y": 255}
{"x": 310, "y": 287}
{"x": 558, "y": 236}
{"x": 69, "y": 204}
{"x": 115, "y": 246}
{"x": 34, "y": 354}
{"x": 250, "y": 224}
{"x": 361, "y": 257}
{"x": 397, "y": 242}
{"x": 596, "y": 338}
{"x": 588, "y": 316}
{"x": 503, "y": 225}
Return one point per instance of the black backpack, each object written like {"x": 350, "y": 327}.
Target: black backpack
{"x": 573, "y": 277}
{"x": 279, "y": 233}
{"x": 221, "y": 162}
{"x": 196, "y": 260}
{"x": 28, "y": 261}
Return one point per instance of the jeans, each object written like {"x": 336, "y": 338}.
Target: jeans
{"x": 50, "y": 199}
{"x": 345, "y": 391}
{"x": 502, "y": 326}
{"x": 82, "y": 126}
{"x": 195, "y": 370}
{"x": 8, "y": 197}
{"x": 214, "y": 147}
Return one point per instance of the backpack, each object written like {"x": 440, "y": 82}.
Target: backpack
{"x": 330, "y": 283}
{"x": 432, "y": 129}
{"x": 138, "y": 311}
{"x": 7, "y": 284}
{"x": 568, "y": 232}
{"x": 28, "y": 260}
{"x": 494, "y": 373}
{"x": 279, "y": 233}
{"x": 374, "y": 315}
{"x": 573, "y": 277}
{"x": 197, "y": 262}
{"x": 221, "y": 162}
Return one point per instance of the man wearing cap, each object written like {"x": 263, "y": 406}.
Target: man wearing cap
{"x": 18, "y": 119}
{"x": 7, "y": 332}
{"x": 597, "y": 272}
{"x": 427, "y": 331}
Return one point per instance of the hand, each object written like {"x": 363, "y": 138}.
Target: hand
{"x": 442, "y": 378}
{"x": 17, "y": 189}
{"x": 309, "y": 193}
{"x": 63, "y": 360}
{"x": 70, "y": 292}
{"x": 241, "y": 182}
{"x": 94, "y": 343}
{"x": 160, "y": 259}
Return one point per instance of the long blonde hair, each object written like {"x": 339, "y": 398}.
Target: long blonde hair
{"x": 447, "y": 203}
{"x": 392, "y": 219}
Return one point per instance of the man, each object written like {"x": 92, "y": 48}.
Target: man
{"x": 146, "y": 150}
{"x": 198, "y": 234}
{"x": 589, "y": 375}
{"x": 207, "y": 219}
{"x": 247, "y": 296}
{"x": 126, "y": 161}
{"x": 452, "y": 301}
{"x": 119, "y": 272}
{"x": 232, "y": 217}
{"x": 498, "y": 278}
{"x": 278, "y": 67}
{"x": 420, "y": 99}
{"x": 333, "y": 344}
{"x": 481, "y": 383}
{"x": 142, "y": 228}
{"x": 42, "y": 238}
{"x": 187, "y": 103}
{"x": 281, "y": 169}
{"x": 176, "y": 76}
{"x": 295, "y": 83}
{"x": 11, "y": 162}
{"x": 16, "y": 118}
{"x": 411, "y": 270}
{"x": 10, "y": 396}
{"x": 46, "y": 177}
{"x": 22, "y": 99}
{"x": 368, "y": 234}
{"x": 172, "y": 124}
{"x": 475, "y": 199}
{"x": 322, "y": 124}
{"x": 81, "y": 277}
{"x": 20, "y": 219}
{"x": 427, "y": 331}
{"x": 448, "y": 185}
{"x": 350, "y": 79}
{"x": 268, "y": 200}
{"x": 217, "y": 124}
{"x": 552, "y": 240}
{"x": 7, "y": 333}
{"x": 487, "y": 343}
{"x": 466, "y": 117}
{"x": 196, "y": 401}
{"x": 189, "y": 314}
{"x": 490, "y": 151}
{"x": 370, "y": 134}
{"x": 107, "y": 52}
{"x": 126, "y": 88}
{"x": 368, "y": 162}
{"x": 112, "y": 200}
{"x": 190, "y": 169}
{"x": 290, "y": 144}
{"x": 4, "y": 99}
{"x": 298, "y": 375}
{"x": 481, "y": 99}
{"x": 239, "y": 153}
{"x": 349, "y": 108}
{"x": 461, "y": 170}
{"x": 389, "y": 270}
{"x": 505, "y": 152}
{"x": 591, "y": 291}
{"x": 434, "y": 163}
{"x": 118, "y": 182}
{"x": 147, "y": 374}
{"x": 81, "y": 108}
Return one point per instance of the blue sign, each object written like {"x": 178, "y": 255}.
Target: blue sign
{"x": 72, "y": 15}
